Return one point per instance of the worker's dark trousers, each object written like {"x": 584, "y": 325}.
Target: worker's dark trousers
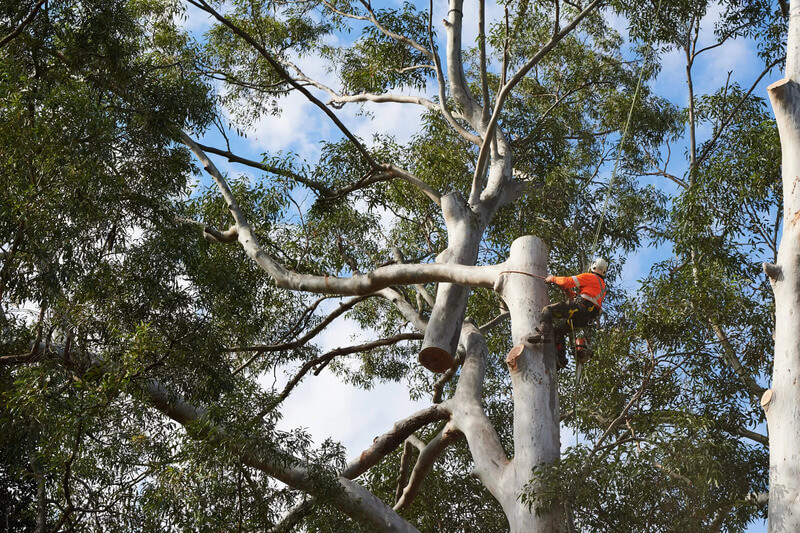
{"x": 558, "y": 316}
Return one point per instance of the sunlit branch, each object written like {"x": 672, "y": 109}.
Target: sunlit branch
{"x": 278, "y": 68}
{"x": 506, "y": 90}
{"x": 441, "y": 82}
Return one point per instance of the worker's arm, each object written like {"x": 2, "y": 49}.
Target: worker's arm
{"x": 565, "y": 282}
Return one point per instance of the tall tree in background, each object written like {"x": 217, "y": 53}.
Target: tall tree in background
{"x": 781, "y": 401}
{"x": 131, "y": 310}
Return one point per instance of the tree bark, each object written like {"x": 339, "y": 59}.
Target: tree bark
{"x": 535, "y": 387}
{"x": 534, "y": 382}
{"x": 782, "y": 403}
{"x": 464, "y": 232}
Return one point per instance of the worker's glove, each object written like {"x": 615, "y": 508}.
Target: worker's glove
{"x": 550, "y": 279}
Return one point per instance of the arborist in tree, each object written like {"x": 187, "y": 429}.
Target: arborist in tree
{"x": 586, "y": 292}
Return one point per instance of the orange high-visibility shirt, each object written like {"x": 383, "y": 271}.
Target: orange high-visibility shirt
{"x": 589, "y": 285}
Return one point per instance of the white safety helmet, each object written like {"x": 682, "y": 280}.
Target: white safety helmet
{"x": 600, "y": 266}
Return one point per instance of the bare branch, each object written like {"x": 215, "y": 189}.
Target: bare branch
{"x": 752, "y": 435}
{"x": 506, "y": 90}
{"x": 389, "y": 441}
{"x": 468, "y": 414}
{"x": 326, "y": 358}
{"x": 301, "y": 341}
{"x": 424, "y": 465}
{"x": 405, "y": 309}
{"x": 233, "y": 158}
{"x": 459, "y": 88}
{"x": 437, "y": 61}
{"x": 405, "y": 466}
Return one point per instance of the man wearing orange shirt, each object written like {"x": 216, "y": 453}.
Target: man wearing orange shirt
{"x": 586, "y": 292}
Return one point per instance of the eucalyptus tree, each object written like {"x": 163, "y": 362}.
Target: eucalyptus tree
{"x": 780, "y": 401}
{"x": 430, "y": 243}
{"x": 699, "y": 320}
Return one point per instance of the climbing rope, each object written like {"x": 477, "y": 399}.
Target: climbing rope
{"x": 619, "y": 150}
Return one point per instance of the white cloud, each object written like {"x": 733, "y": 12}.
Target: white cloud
{"x": 329, "y": 408}
{"x": 299, "y": 127}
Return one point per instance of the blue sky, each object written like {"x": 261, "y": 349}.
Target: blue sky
{"x": 322, "y": 403}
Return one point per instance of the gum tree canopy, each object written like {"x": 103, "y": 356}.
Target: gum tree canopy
{"x": 147, "y": 303}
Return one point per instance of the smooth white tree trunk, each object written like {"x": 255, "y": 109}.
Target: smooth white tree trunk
{"x": 782, "y": 402}
{"x": 535, "y": 386}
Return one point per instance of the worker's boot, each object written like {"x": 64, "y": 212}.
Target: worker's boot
{"x": 544, "y": 333}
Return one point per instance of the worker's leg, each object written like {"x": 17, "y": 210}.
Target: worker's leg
{"x": 561, "y": 352}
{"x": 558, "y": 310}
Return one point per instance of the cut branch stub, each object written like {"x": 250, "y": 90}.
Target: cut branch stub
{"x": 436, "y": 359}
{"x": 444, "y": 326}
{"x": 513, "y": 355}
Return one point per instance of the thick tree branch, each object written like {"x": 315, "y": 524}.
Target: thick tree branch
{"x": 403, "y": 473}
{"x": 384, "y": 445}
{"x": 389, "y": 441}
{"x": 293, "y": 517}
{"x": 380, "y": 278}
{"x": 488, "y": 135}
{"x": 27, "y": 20}
{"x": 424, "y": 465}
{"x": 468, "y": 414}
{"x": 442, "y": 83}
